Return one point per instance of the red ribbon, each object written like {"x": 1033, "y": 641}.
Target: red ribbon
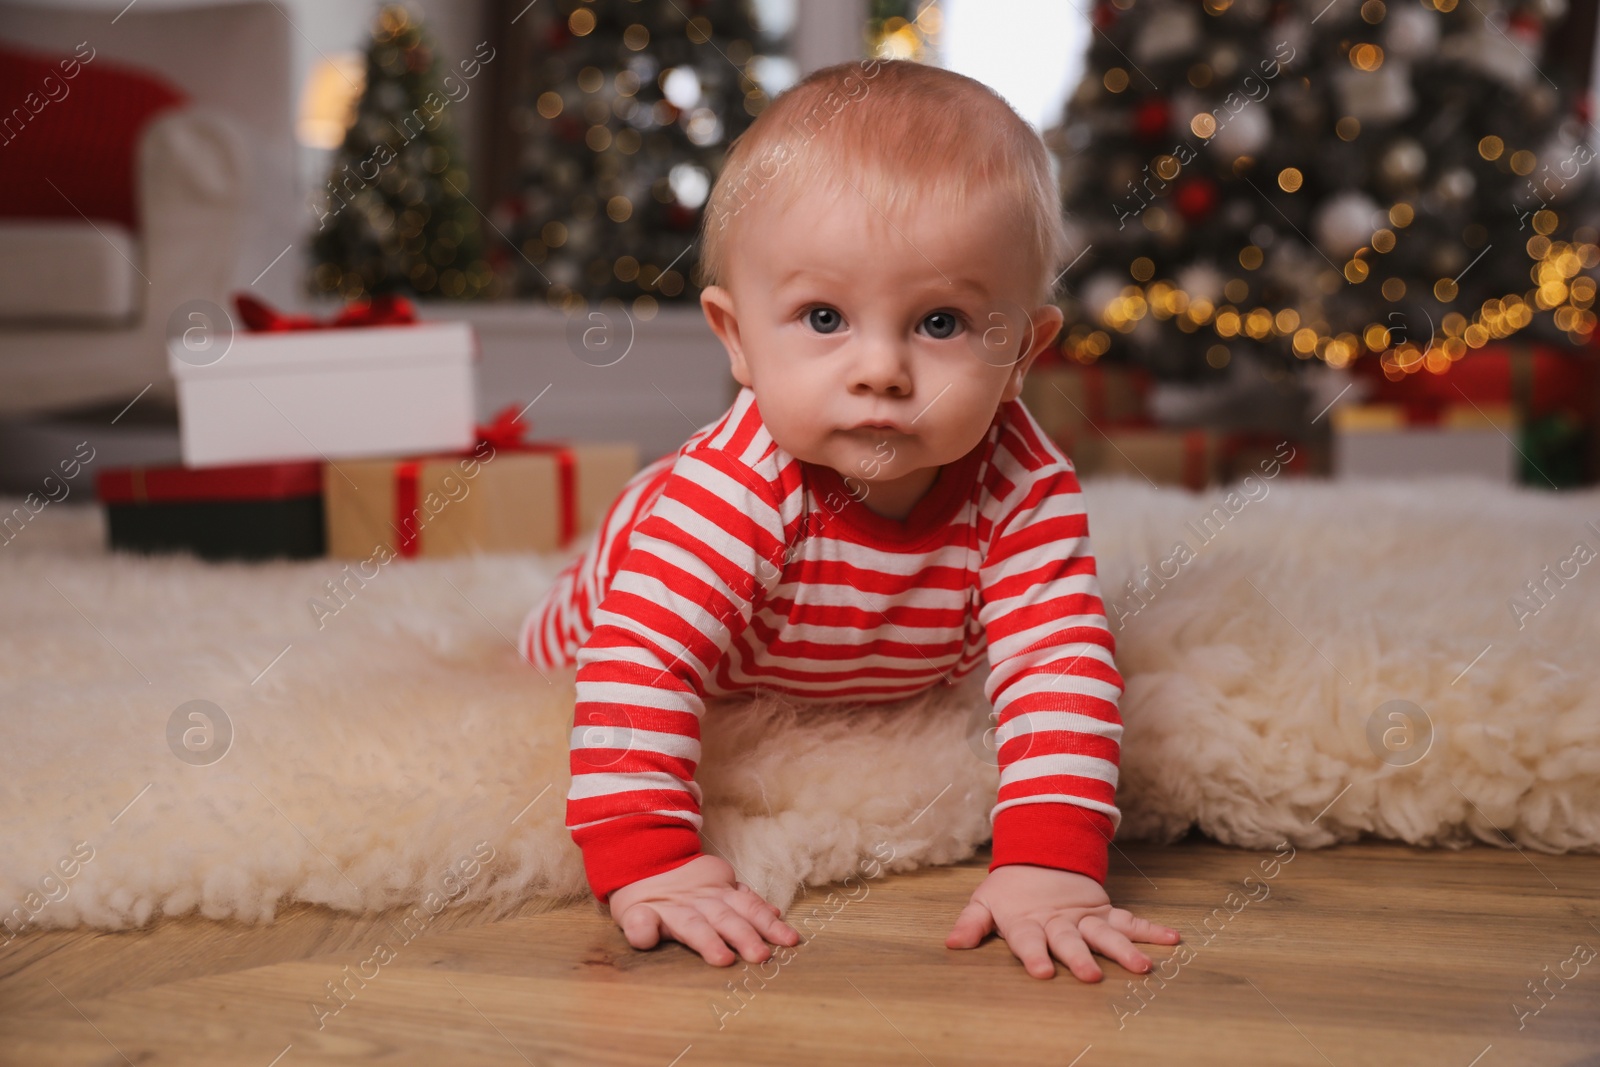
{"x": 1194, "y": 459}
{"x": 1094, "y": 391}
{"x": 505, "y": 431}
{"x": 261, "y": 317}
{"x": 405, "y": 507}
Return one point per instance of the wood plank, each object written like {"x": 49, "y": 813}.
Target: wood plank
{"x": 1367, "y": 953}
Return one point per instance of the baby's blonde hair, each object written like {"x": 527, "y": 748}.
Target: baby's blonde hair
{"x": 907, "y": 136}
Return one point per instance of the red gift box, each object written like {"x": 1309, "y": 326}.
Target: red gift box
{"x": 1536, "y": 379}
{"x": 254, "y": 511}
{"x": 1262, "y": 454}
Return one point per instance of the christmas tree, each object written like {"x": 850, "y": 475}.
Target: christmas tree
{"x": 1312, "y": 181}
{"x": 395, "y": 216}
{"x": 624, "y": 113}
{"x": 904, "y": 29}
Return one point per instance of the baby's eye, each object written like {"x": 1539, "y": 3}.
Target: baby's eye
{"x": 942, "y": 324}
{"x": 824, "y": 319}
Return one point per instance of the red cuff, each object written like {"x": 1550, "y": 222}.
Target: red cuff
{"x": 622, "y": 851}
{"x": 1068, "y": 837}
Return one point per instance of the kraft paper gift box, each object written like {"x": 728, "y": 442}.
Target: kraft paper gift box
{"x": 1066, "y": 398}
{"x": 1190, "y": 458}
{"x": 1401, "y": 441}
{"x": 505, "y": 495}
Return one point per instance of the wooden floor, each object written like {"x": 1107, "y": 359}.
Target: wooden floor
{"x": 1365, "y": 954}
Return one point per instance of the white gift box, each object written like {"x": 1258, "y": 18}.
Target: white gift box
{"x": 326, "y": 393}
{"x": 1375, "y": 441}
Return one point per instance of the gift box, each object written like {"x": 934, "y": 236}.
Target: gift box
{"x": 372, "y": 382}
{"x": 1533, "y": 379}
{"x": 1190, "y": 458}
{"x": 1068, "y": 399}
{"x": 248, "y": 512}
{"x": 1267, "y": 455}
{"x": 1553, "y": 391}
{"x": 1401, "y": 441}
{"x": 504, "y": 495}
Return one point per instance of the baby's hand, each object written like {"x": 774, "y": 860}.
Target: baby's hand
{"x": 1040, "y": 910}
{"x": 700, "y": 904}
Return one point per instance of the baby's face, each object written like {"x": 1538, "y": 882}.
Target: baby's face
{"x": 880, "y": 349}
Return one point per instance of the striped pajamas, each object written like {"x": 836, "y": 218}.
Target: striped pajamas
{"x": 731, "y": 565}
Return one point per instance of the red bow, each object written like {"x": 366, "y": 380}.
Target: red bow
{"x": 261, "y": 317}
{"x": 506, "y": 430}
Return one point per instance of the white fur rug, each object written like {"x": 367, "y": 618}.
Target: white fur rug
{"x": 398, "y": 748}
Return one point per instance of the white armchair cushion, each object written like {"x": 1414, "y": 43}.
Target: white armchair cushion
{"x": 73, "y": 273}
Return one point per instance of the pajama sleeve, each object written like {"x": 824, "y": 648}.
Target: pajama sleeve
{"x": 1053, "y": 684}
{"x": 710, "y": 546}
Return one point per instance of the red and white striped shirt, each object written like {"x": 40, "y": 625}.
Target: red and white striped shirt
{"x": 731, "y": 565}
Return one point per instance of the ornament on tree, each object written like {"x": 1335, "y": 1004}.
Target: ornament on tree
{"x": 1376, "y": 96}
{"x": 1526, "y": 27}
{"x": 1202, "y": 281}
{"x": 1195, "y": 198}
{"x": 1345, "y": 223}
{"x": 1402, "y": 166}
{"x": 1152, "y": 118}
{"x": 1172, "y": 32}
{"x": 1490, "y": 54}
{"x": 1100, "y": 290}
{"x": 1244, "y": 134}
{"x": 1411, "y": 31}
{"x": 1455, "y": 187}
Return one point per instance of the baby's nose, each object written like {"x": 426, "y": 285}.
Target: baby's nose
{"x": 882, "y": 367}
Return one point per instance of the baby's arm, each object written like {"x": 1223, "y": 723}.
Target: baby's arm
{"x": 681, "y": 594}
{"x": 1054, "y": 686}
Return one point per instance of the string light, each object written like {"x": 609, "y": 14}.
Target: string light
{"x": 1560, "y": 290}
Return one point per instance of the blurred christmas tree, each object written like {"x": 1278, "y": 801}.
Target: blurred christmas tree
{"x": 624, "y": 111}
{"x": 1309, "y": 181}
{"x": 395, "y": 216}
{"x": 904, "y": 29}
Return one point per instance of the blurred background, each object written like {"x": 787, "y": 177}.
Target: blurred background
{"x": 1360, "y": 238}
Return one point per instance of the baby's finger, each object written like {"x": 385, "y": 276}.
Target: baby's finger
{"x": 972, "y": 926}
{"x": 736, "y": 930}
{"x": 1071, "y": 950}
{"x": 746, "y": 891}
{"x": 641, "y": 926}
{"x": 1099, "y": 934}
{"x": 745, "y": 887}
{"x": 1027, "y": 941}
{"x": 694, "y": 930}
{"x": 1137, "y": 929}
{"x": 764, "y": 917}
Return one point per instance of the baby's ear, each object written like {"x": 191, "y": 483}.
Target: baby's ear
{"x": 1047, "y": 320}
{"x": 717, "y": 303}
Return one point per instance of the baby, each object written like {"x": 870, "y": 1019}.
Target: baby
{"x": 876, "y": 513}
